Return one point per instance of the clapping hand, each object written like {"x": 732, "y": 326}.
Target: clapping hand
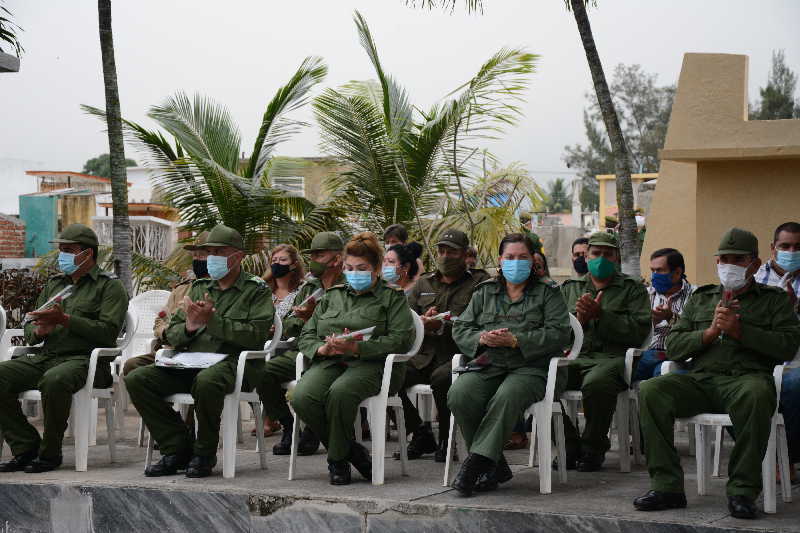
{"x": 428, "y": 323}
{"x": 588, "y": 308}
{"x": 198, "y": 313}
{"x": 46, "y": 320}
{"x": 339, "y": 346}
{"x": 727, "y": 320}
{"x": 661, "y": 313}
{"x": 305, "y": 312}
{"x": 497, "y": 338}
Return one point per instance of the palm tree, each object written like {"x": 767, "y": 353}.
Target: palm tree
{"x": 629, "y": 242}
{"x": 121, "y": 234}
{"x": 201, "y": 172}
{"x": 558, "y": 200}
{"x": 408, "y": 165}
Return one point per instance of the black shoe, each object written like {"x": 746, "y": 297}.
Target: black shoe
{"x": 201, "y": 466}
{"x": 471, "y": 470}
{"x": 572, "y": 463}
{"x": 284, "y": 447}
{"x": 42, "y": 464}
{"x": 659, "y": 501}
{"x": 169, "y": 465}
{"x": 361, "y": 460}
{"x": 422, "y": 443}
{"x": 591, "y": 462}
{"x": 499, "y": 474}
{"x": 340, "y": 472}
{"x": 440, "y": 456}
{"x": 309, "y": 443}
{"x": 19, "y": 462}
{"x": 742, "y": 507}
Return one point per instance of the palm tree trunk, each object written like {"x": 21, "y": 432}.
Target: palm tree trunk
{"x": 629, "y": 241}
{"x": 116, "y": 148}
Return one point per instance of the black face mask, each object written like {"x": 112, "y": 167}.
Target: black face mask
{"x": 200, "y": 268}
{"x": 580, "y": 265}
{"x": 279, "y": 270}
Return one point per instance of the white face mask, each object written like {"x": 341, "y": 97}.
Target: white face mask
{"x": 732, "y": 277}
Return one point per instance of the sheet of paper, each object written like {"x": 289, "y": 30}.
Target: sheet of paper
{"x": 190, "y": 360}
{"x": 362, "y": 333}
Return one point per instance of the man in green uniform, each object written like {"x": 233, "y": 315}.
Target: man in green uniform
{"x": 228, "y": 313}
{"x": 734, "y": 334}
{"x": 448, "y": 288}
{"x": 326, "y": 267}
{"x": 614, "y": 310}
{"x": 89, "y": 318}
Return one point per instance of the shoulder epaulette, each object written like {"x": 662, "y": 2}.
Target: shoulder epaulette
{"x": 703, "y": 288}
{"x": 572, "y": 280}
{"x": 339, "y": 286}
{"x": 486, "y": 283}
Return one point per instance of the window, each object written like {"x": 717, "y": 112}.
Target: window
{"x": 292, "y": 185}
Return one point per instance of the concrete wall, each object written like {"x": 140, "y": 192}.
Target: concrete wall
{"x": 41, "y": 223}
{"x": 719, "y": 169}
{"x": 12, "y": 237}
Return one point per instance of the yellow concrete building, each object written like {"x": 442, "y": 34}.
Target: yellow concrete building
{"x": 719, "y": 169}
{"x": 607, "y": 187}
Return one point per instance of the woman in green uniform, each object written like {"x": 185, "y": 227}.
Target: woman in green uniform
{"x": 512, "y": 326}
{"x": 344, "y": 372}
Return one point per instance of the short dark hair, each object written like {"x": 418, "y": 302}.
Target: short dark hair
{"x": 408, "y": 255}
{"x": 580, "y": 240}
{"x": 396, "y": 230}
{"x": 674, "y": 258}
{"x": 788, "y": 227}
{"x": 544, "y": 260}
{"x": 472, "y": 252}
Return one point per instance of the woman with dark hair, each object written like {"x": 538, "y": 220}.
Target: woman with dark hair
{"x": 344, "y": 370}
{"x": 512, "y": 326}
{"x": 400, "y": 266}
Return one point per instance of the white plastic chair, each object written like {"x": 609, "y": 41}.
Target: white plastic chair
{"x": 230, "y": 412}
{"x": 777, "y": 447}
{"x": 542, "y": 412}
{"x": 376, "y": 411}
{"x": 6, "y": 334}
{"x": 625, "y": 418}
{"x": 81, "y": 412}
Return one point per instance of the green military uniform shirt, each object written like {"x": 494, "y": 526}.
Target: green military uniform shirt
{"x": 429, "y": 291}
{"x": 381, "y": 306}
{"x": 538, "y": 319}
{"x": 241, "y": 321}
{"x": 624, "y": 318}
{"x": 770, "y": 332}
{"x": 292, "y": 325}
{"x": 96, "y": 310}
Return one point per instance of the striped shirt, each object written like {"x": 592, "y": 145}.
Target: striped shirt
{"x": 675, "y": 302}
{"x": 767, "y": 275}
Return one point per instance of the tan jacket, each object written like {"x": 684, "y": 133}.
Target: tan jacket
{"x": 172, "y": 305}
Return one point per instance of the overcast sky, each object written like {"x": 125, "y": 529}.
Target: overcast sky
{"x": 240, "y": 51}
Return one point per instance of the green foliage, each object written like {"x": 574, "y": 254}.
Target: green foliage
{"x": 407, "y": 165}
{"x": 643, "y": 109}
{"x": 101, "y": 165}
{"x": 777, "y": 98}
{"x": 558, "y": 199}
{"x": 200, "y": 173}
{"x": 8, "y": 32}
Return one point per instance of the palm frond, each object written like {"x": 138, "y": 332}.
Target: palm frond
{"x": 471, "y": 5}
{"x": 276, "y": 126}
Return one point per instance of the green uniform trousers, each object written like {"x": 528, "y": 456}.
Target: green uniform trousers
{"x": 149, "y": 385}
{"x": 749, "y": 400}
{"x": 327, "y": 399}
{"x": 486, "y": 406}
{"x": 277, "y": 371}
{"x": 58, "y": 378}
{"x": 600, "y": 380}
{"x": 136, "y": 362}
{"x": 439, "y": 378}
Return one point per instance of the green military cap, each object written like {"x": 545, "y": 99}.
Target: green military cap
{"x": 454, "y": 239}
{"x": 602, "y": 238}
{"x": 739, "y": 242}
{"x": 198, "y": 243}
{"x": 222, "y": 235}
{"x": 325, "y": 240}
{"x": 77, "y": 234}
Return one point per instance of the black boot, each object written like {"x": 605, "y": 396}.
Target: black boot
{"x": 655, "y": 500}
{"x": 201, "y": 466}
{"x": 422, "y": 442}
{"x": 19, "y": 462}
{"x": 471, "y": 469}
{"x": 339, "y": 472}
{"x": 362, "y": 461}
{"x": 169, "y": 465}
{"x": 284, "y": 447}
{"x": 309, "y": 443}
{"x": 591, "y": 461}
{"x": 499, "y": 474}
{"x": 742, "y": 507}
{"x": 43, "y": 464}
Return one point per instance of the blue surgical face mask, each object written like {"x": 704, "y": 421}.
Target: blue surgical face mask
{"x": 661, "y": 282}
{"x": 66, "y": 262}
{"x": 516, "y": 270}
{"x": 359, "y": 280}
{"x": 390, "y": 274}
{"x": 217, "y": 266}
{"x": 789, "y": 261}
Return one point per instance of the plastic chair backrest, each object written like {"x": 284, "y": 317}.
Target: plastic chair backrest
{"x": 577, "y": 337}
{"x": 131, "y": 319}
{"x": 146, "y": 305}
{"x": 3, "y": 321}
{"x": 276, "y": 336}
{"x": 419, "y": 334}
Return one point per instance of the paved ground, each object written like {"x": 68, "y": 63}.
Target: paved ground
{"x": 604, "y": 494}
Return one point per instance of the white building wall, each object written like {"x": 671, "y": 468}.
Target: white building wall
{"x": 15, "y": 182}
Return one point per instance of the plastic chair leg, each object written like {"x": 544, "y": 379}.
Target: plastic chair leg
{"x": 718, "y": 435}
{"x": 783, "y": 464}
{"x": 401, "y": 438}
{"x": 561, "y": 447}
{"x": 111, "y": 428}
{"x": 532, "y": 447}
{"x": 377, "y": 423}
{"x": 93, "y": 422}
{"x": 545, "y": 450}
{"x": 82, "y": 411}
{"x": 623, "y": 432}
{"x": 230, "y": 423}
{"x": 449, "y": 459}
{"x": 295, "y": 442}
{"x": 768, "y": 477}
{"x": 261, "y": 448}
{"x": 703, "y": 455}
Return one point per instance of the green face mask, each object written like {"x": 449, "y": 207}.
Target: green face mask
{"x": 601, "y": 268}
{"x": 452, "y": 267}
{"x": 317, "y": 269}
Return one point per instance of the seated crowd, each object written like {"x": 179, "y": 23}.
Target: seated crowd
{"x": 726, "y": 338}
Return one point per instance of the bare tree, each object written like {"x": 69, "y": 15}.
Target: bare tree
{"x": 121, "y": 239}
